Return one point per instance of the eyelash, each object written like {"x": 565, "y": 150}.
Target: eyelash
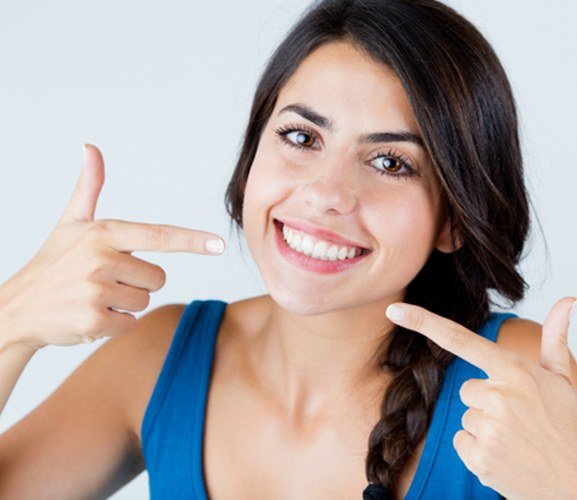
{"x": 283, "y": 131}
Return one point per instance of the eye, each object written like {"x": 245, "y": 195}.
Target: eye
{"x": 389, "y": 163}
{"x": 393, "y": 164}
{"x": 301, "y": 138}
{"x": 297, "y": 137}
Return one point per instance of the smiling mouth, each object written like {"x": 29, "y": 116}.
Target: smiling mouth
{"x": 318, "y": 248}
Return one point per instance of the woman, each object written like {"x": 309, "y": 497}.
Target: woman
{"x": 381, "y": 164}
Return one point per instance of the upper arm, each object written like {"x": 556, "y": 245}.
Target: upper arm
{"x": 524, "y": 337}
{"x": 80, "y": 442}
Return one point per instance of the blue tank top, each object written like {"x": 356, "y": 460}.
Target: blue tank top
{"x": 173, "y": 423}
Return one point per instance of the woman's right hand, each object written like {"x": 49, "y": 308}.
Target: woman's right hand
{"x": 65, "y": 294}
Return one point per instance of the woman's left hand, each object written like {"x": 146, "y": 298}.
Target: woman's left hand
{"x": 520, "y": 430}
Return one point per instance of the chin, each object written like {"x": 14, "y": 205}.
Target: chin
{"x": 312, "y": 302}
{"x": 304, "y": 304}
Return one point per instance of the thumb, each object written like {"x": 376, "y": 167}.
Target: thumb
{"x": 82, "y": 204}
{"x": 554, "y": 347}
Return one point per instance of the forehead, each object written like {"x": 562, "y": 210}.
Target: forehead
{"x": 341, "y": 81}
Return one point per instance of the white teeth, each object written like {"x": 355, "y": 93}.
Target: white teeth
{"x": 323, "y": 250}
{"x": 320, "y": 250}
{"x": 332, "y": 253}
{"x": 296, "y": 240}
{"x": 307, "y": 245}
{"x": 342, "y": 255}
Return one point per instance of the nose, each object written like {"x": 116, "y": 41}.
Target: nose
{"x": 332, "y": 187}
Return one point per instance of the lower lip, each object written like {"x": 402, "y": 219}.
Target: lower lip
{"x": 309, "y": 263}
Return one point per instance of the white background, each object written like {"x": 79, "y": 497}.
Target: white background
{"x": 164, "y": 89}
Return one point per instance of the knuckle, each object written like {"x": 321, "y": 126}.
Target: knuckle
{"x": 484, "y": 479}
{"x": 481, "y": 464}
{"x": 98, "y": 229}
{"x": 93, "y": 321}
{"x": 496, "y": 400}
{"x": 465, "y": 389}
{"x": 459, "y": 443}
{"x": 161, "y": 280}
{"x": 457, "y": 440}
{"x": 417, "y": 319}
{"x": 494, "y": 397}
{"x": 487, "y": 457}
{"x": 563, "y": 341}
{"x": 105, "y": 224}
{"x": 465, "y": 419}
{"x": 96, "y": 294}
{"x": 523, "y": 371}
{"x": 455, "y": 338}
{"x": 192, "y": 245}
{"x": 519, "y": 363}
{"x": 491, "y": 435}
{"x": 145, "y": 301}
{"x": 96, "y": 265}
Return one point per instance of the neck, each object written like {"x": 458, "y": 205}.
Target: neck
{"x": 321, "y": 364}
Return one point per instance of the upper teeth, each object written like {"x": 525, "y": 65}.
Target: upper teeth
{"x": 320, "y": 249}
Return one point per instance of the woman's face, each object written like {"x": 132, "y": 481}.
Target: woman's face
{"x": 317, "y": 168}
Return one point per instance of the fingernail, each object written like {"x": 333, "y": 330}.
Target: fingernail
{"x": 214, "y": 246}
{"x": 572, "y": 311}
{"x": 395, "y": 313}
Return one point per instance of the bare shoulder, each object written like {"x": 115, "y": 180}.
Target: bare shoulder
{"x": 142, "y": 352}
{"x": 522, "y": 336}
{"x": 139, "y": 357}
{"x": 44, "y": 455}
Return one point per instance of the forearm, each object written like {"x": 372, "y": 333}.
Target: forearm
{"x": 13, "y": 360}
{"x": 13, "y": 357}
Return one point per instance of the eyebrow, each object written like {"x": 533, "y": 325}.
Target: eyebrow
{"x": 324, "y": 122}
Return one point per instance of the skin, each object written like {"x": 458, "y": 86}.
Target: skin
{"x": 307, "y": 348}
{"x": 519, "y": 435}
{"x": 294, "y": 388}
{"x": 306, "y": 351}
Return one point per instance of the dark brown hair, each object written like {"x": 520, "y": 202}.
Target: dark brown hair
{"x": 466, "y": 114}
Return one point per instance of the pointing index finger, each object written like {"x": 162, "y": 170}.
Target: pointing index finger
{"x": 453, "y": 337}
{"x": 136, "y": 236}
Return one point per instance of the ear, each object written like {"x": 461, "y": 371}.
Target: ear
{"x": 444, "y": 242}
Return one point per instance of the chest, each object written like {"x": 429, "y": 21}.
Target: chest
{"x": 251, "y": 451}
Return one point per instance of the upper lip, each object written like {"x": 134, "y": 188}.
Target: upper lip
{"x": 321, "y": 233}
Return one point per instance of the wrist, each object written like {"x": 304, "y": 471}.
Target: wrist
{"x": 8, "y": 337}
{"x": 5, "y": 340}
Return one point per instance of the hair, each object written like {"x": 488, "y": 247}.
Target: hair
{"x": 466, "y": 113}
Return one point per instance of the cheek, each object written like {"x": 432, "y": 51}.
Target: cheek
{"x": 404, "y": 220}
{"x": 402, "y": 214}
{"x": 267, "y": 185}
{"x": 263, "y": 183}
{"x": 417, "y": 218}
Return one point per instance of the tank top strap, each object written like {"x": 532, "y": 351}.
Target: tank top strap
{"x": 174, "y": 418}
{"x": 173, "y": 423}
{"x": 441, "y": 473}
